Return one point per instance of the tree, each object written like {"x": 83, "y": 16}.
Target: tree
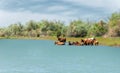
{"x": 98, "y": 29}
{"x": 32, "y": 28}
{"x": 32, "y": 25}
{"x": 114, "y": 24}
{"x": 77, "y": 29}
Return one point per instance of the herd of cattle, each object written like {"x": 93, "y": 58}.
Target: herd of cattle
{"x": 86, "y": 41}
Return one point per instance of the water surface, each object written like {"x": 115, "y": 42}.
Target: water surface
{"x": 42, "y": 56}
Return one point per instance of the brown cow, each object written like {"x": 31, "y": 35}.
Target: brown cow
{"x": 88, "y": 41}
{"x": 61, "y": 39}
{"x": 77, "y": 43}
{"x": 96, "y": 42}
{"x": 74, "y": 43}
{"x": 59, "y": 43}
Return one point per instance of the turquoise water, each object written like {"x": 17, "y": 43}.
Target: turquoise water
{"x": 42, "y": 56}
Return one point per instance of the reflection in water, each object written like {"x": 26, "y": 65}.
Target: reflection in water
{"x": 42, "y": 56}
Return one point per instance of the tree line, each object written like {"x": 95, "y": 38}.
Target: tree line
{"x": 76, "y": 28}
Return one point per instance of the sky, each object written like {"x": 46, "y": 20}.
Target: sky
{"x": 15, "y": 11}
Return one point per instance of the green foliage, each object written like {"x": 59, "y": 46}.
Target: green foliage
{"x": 77, "y": 29}
{"x": 114, "y": 19}
{"x": 114, "y": 24}
{"x": 98, "y": 30}
{"x": 31, "y": 25}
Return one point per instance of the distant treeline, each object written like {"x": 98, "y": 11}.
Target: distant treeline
{"x": 76, "y": 28}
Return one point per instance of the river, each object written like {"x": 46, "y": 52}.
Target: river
{"x": 42, "y": 56}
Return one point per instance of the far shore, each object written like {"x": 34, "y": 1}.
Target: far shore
{"x": 111, "y": 41}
